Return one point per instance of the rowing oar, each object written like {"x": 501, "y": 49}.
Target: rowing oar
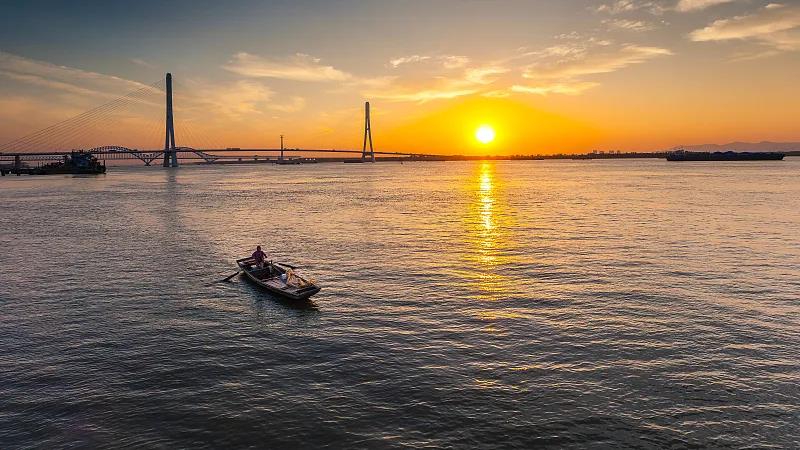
{"x": 226, "y": 279}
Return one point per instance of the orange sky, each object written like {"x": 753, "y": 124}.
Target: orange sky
{"x": 571, "y": 76}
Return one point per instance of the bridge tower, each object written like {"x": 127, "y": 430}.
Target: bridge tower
{"x": 367, "y": 134}
{"x": 170, "y": 156}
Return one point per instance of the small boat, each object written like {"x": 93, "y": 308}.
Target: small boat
{"x": 278, "y": 279}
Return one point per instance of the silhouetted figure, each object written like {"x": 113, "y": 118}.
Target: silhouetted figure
{"x": 259, "y": 256}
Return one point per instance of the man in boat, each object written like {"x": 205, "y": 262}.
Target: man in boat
{"x": 260, "y": 257}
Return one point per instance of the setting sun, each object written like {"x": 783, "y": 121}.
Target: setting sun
{"x": 484, "y": 134}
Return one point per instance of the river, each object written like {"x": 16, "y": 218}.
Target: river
{"x": 515, "y": 304}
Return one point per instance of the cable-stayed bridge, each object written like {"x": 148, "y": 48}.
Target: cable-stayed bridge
{"x": 105, "y": 131}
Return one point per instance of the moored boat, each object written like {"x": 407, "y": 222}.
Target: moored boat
{"x": 279, "y": 279}
{"x": 75, "y": 163}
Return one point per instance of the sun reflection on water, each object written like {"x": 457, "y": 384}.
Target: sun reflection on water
{"x": 486, "y": 199}
{"x": 487, "y": 235}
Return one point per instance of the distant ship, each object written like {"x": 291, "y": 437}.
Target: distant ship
{"x": 74, "y": 163}
{"x": 682, "y": 155}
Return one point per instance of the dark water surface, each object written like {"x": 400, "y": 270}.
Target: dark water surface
{"x": 626, "y": 304}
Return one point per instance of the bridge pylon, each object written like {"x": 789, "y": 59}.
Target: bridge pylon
{"x": 367, "y": 134}
{"x": 170, "y": 155}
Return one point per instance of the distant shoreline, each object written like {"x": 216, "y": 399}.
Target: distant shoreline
{"x": 571, "y": 156}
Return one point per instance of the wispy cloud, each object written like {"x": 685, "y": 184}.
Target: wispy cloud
{"x": 630, "y": 25}
{"x": 564, "y": 68}
{"x": 574, "y": 88}
{"x": 397, "y": 62}
{"x": 434, "y": 78}
{"x": 694, "y": 5}
{"x": 143, "y": 63}
{"x": 299, "y": 67}
{"x": 419, "y": 89}
{"x": 454, "y": 61}
{"x": 775, "y": 25}
{"x": 422, "y": 96}
{"x": 583, "y": 62}
{"x": 499, "y": 93}
{"x": 446, "y": 61}
{"x": 40, "y": 93}
{"x": 64, "y": 79}
{"x": 629, "y": 6}
{"x": 237, "y": 99}
{"x": 656, "y": 7}
{"x": 292, "y": 104}
{"x": 44, "y": 82}
{"x": 484, "y": 75}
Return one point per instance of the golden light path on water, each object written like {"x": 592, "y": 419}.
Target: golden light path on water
{"x": 489, "y": 220}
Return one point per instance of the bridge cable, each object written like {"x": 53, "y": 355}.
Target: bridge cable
{"x": 64, "y": 126}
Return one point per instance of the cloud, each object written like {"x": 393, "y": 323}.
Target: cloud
{"x": 293, "y": 104}
{"x": 563, "y": 69}
{"x": 694, "y": 5}
{"x": 419, "y": 89}
{"x": 39, "y": 81}
{"x": 499, "y": 93}
{"x": 575, "y": 88}
{"x": 558, "y": 69}
{"x": 775, "y": 25}
{"x": 65, "y": 79}
{"x": 448, "y": 78}
{"x": 483, "y": 75}
{"x": 423, "y": 96}
{"x": 434, "y": 77}
{"x": 234, "y": 100}
{"x": 454, "y": 61}
{"x": 629, "y": 6}
{"x": 407, "y": 60}
{"x": 581, "y": 62}
{"x": 446, "y": 61}
{"x": 141, "y": 62}
{"x": 630, "y": 25}
{"x": 299, "y": 67}
{"x": 43, "y": 93}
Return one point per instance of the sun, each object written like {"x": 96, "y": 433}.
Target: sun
{"x": 484, "y": 134}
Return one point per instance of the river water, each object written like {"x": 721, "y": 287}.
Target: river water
{"x": 625, "y": 304}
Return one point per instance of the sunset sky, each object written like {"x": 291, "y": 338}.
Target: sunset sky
{"x": 555, "y": 76}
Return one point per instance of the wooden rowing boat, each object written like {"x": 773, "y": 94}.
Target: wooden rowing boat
{"x": 278, "y": 279}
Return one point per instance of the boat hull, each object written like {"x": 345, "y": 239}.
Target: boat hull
{"x": 268, "y": 279}
{"x": 724, "y": 156}
{"x": 67, "y": 170}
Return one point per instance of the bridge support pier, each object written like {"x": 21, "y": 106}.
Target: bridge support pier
{"x": 170, "y": 155}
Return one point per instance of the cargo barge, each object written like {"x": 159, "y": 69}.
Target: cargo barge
{"x": 682, "y": 155}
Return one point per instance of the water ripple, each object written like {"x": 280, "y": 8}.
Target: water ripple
{"x": 619, "y": 304}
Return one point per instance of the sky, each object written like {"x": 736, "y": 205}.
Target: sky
{"x": 548, "y": 76}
